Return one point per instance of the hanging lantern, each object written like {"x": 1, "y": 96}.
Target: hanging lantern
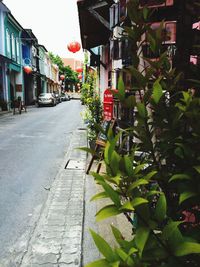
{"x": 80, "y": 76}
{"x": 74, "y": 47}
{"x": 28, "y": 69}
{"x": 79, "y": 69}
{"x": 62, "y": 77}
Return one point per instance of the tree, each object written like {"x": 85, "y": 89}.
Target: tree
{"x": 70, "y": 75}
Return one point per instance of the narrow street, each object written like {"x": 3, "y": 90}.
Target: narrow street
{"x": 32, "y": 148}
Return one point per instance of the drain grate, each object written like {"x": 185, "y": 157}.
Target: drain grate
{"x": 75, "y": 164}
{"x": 82, "y": 129}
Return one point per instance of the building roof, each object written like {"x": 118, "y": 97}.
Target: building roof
{"x": 94, "y": 22}
{"x": 3, "y": 7}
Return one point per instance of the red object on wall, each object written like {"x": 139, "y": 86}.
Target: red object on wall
{"x": 62, "y": 77}
{"x": 28, "y": 69}
{"x": 108, "y": 105}
{"x": 74, "y": 47}
{"x": 80, "y": 76}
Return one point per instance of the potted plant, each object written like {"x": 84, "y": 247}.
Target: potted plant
{"x": 3, "y": 105}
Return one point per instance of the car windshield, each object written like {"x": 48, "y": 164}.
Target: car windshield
{"x": 45, "y": 94}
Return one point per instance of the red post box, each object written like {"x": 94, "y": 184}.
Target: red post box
{"x": 108, "y": 105}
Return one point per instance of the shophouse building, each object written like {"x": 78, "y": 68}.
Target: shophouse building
{"x": 13, "y": 51}
{"x": 4, "y": 61}
{"x": 30, "y": 58}
{"x": 102, "y": 34}
{"x": 42, "y": 86}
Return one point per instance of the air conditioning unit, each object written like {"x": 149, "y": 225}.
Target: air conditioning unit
{"x": 117, "y": 32}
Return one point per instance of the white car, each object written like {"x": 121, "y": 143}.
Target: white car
{"x": 46, "y": 99}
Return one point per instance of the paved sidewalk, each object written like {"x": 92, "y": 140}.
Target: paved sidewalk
{"x": 57, "y": 238}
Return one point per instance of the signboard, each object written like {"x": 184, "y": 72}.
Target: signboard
{"x": 108, "y": 105}
{"x": 168, "y": 32}
{"x": 156, "y": 3}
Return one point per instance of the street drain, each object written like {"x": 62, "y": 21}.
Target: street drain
{"x": 75, "y": 165}
{"x": 82, "y": 129}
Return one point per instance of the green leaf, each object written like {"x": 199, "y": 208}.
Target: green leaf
{"x": 197, "y": 168}
{"x": 180, "y": 176}
{"x": 139, "y": 168}
{"x": 141, "y": 238}
{"x": 142, "y": 110}
{"x": 88, "y": 150}
{"x": 97, "y": 176}
{"x": 125, "y": 257}
{"x": 128, "y": 165}
{"x": 110, "y": 147}
{"x": 157, "y": 92}
{"x": 99, "y": 263}
{"x": 117, "y": 234}
{"x": 152, "y": 42}
{"x": 186, "y": 248}
{"x": 130, "y": 32}
{"x": 149, "y": 175}
{"x": 99, "y": 196}
{"x": 121, "y": 88}
{"x": 145, "y": 12}
{"x": 132, "y": 251}
{"x": 161, "y": 208}
{"x": 138, "y": 201}
{"x": 103, "y": 247}
{"x": 106, "y": 153}
{"x": 107, "y": 211}
{"x": 137, "y": 183}
{"x": 114, "y": 196}
{"x": 138, "y": 76}
{"x": 120, "y": 239}
{"x": 115, "y": 264}
{"x": 169, "y": 229}
{"x": 127, "y": 206}
{"x": 130, "y": 101}
{"x": 185, "y": 195}
{"x": 153, "y": 192}
{"x": 114, "y": 162}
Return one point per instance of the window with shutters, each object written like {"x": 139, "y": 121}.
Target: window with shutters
{"x": 13, "y": 46}
{"x": 8, "y": 46}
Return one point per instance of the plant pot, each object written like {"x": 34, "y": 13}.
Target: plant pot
{"x": 4, "y": 107}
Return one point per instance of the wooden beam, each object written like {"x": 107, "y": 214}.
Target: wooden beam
{"x": 95, "y": 14}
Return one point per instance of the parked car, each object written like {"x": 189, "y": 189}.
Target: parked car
{"x": 65, "y": 97}
{"x": 46, "y": 99}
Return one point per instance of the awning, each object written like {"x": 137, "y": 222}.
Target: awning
{"x": 94, "y": 22}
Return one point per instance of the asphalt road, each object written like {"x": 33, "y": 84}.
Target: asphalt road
{"x": 32, "y": 147}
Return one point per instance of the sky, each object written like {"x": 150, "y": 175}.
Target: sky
{"x": 54, "y": 23}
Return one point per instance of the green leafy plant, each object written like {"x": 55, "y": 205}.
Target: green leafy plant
{"x": 93, "y": 112}
{"x": 161, "y": 186}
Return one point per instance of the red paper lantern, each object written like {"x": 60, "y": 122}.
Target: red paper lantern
{"x": 62, "y": 77}
{"x": 79, "y": 69}
{"x": 80, "y": 76}
{"x": 74, "y": 47}
{"x": 28, "y": 69}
